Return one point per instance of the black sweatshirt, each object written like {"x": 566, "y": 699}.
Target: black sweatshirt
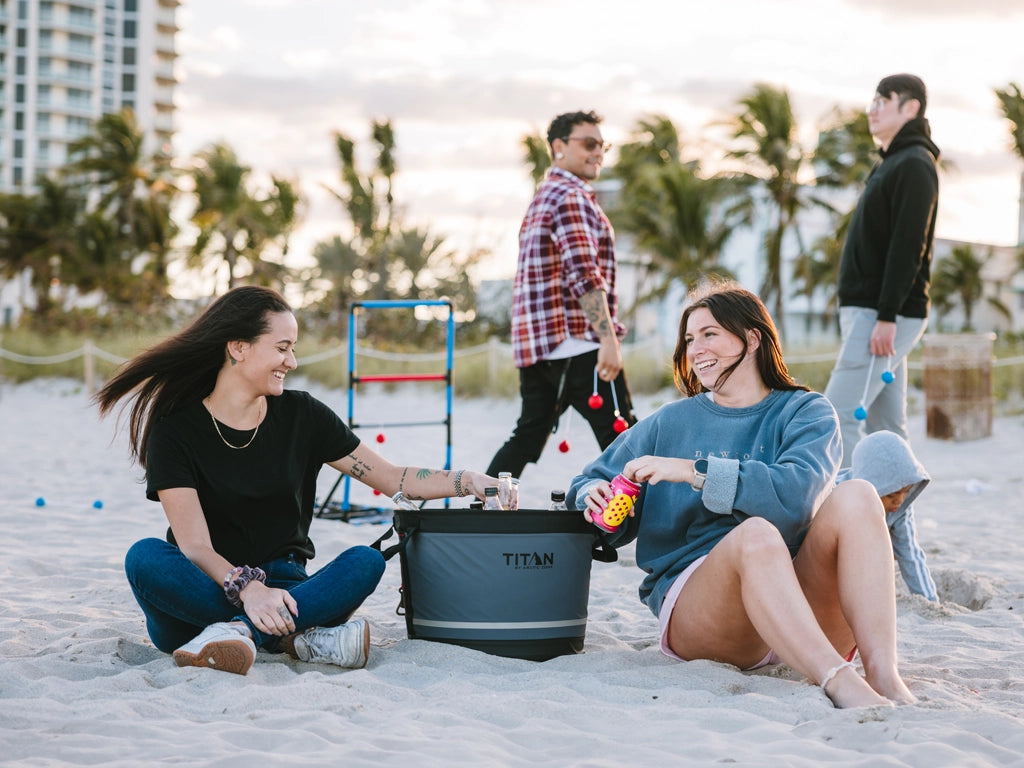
{"x": 886, "y": 262}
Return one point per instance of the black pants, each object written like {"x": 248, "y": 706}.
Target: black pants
{"x": 547, "y": 389}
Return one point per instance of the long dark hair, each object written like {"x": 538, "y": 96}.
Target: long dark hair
{"x": 738, "y": 311}
{"x": 183, "y": 369}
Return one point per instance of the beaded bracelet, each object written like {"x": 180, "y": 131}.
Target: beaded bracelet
{"x": 238, "y": 579}
{"x": 458, "y": 483}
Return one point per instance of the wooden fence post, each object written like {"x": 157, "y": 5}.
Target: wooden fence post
{"x": 90, "y": 368}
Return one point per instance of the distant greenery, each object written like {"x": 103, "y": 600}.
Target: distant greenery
{"x": 474, "y": 375}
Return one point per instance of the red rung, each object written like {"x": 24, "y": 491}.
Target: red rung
{"x": 403, "y": 377}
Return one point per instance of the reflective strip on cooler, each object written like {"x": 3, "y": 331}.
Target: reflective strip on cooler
{"x": 500, "y": 624}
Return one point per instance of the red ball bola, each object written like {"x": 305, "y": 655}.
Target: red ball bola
{"x": 620, "y": 424}
{"x": 376, "y": 492}
{"x": 564, "y": 446}
{"x": 380, "y": 437}
{"x": 595, "y": 402}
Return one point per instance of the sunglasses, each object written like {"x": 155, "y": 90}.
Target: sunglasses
{"x": 590, "y": 143}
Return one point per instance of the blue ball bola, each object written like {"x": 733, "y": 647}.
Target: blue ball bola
{"x": 861, "y": 413}
{"x": 887, "y": 377}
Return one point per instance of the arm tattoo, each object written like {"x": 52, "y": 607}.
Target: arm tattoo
{"x": 595, "y": 307}
{"x": 359, "y": 468}
{"x": 421, "y": 474}
{"x": 401, "y": 483}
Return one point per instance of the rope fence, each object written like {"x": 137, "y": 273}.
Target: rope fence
{"x": 496, "y": 350}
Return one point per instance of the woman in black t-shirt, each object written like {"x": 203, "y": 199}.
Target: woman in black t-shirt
{"x": 233, "y": 458}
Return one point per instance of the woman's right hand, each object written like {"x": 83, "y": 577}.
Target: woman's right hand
{"x": 597, "y": 500}
{"x": 272, "y": 610}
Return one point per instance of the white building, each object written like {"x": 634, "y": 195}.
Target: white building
{"x": 65, "y": 63}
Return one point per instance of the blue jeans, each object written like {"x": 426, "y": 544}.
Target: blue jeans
{"x": 179, "y": 600}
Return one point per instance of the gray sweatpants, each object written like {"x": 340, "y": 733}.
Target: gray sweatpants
{"x": 886, "y": 404}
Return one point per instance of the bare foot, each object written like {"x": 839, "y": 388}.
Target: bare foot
{"x": 889, "y": 684}
{"x": 848, "y": 689}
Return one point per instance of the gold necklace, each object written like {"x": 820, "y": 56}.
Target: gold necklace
{"x": 259, "y": 419}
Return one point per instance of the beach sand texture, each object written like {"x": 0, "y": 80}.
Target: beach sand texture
{"x": 80, "y": 683}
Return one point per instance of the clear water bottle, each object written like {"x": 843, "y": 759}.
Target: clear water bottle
{"x": 491, "y": 500}
{"x": 505, "y": 489}
{"x": 514, "y": 498}
{"x": 402, "y": 501}
{"x": 557, "y": 501}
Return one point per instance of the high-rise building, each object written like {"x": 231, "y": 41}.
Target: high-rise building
{"x": 65, "y": 63}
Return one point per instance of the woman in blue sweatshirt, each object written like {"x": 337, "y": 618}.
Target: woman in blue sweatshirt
{"x": 752, "y": 555}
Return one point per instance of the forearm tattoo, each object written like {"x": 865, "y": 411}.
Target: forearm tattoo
{"x": 359, "y": 468}
{"x": 401, "y": 483}
{"x": 595, "y": 307}
{"x": 421, "y": 474}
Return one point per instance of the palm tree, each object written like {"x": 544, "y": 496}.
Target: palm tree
{"x": 234, "y": 223}
{"x": 844, "y": 157}
{"x": 1011, "y": 101}
{"x": 678, "y": 218}
{"x": 960, "y": 276}
{"x": 536, "y": 156}
{"x": 40, "y": 233}
{"x": 765, "y": 129}
{"x": 655, "y": 141}
{"x": 369, "y": 202}
{"x": 136, "y": 193}
{"x": 110, "y": 160}
{"x": 385, "y": 258}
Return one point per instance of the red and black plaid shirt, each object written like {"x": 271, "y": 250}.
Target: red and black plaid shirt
{"x": 566, "y": 249}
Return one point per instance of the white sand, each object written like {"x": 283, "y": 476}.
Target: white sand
{"x": 80, "y": 683}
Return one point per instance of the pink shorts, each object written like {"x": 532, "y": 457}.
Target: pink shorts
{"x": 669, "y": 603}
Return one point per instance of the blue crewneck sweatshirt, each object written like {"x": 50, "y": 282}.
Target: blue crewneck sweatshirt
{"x": 776, "y": 460}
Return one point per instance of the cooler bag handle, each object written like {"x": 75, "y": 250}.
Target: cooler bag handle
{"x": 604, "y": 552}
{"x": 394, "y": 549}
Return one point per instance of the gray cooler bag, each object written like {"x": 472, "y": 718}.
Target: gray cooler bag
{"x": 510, "y": 583}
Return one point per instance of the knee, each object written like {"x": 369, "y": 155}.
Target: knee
{"x": 758, "y": 539}
{"x": 852, "y": 500}
{"x": 140, "y": 555}
{"x": 368, "y": 562}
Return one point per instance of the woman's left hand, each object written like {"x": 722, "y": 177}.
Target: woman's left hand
{"x": 655, "y": 469}
{"x": 272, "y": 610}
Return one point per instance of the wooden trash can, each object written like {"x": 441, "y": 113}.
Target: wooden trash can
{"x": 958, "y": 385}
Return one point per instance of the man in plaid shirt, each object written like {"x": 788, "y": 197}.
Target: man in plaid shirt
{"x": 564, "y": 305}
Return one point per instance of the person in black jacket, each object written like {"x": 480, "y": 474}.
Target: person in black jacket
{"x": 885, "y": 268}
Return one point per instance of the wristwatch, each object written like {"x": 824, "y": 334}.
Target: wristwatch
{"x": 700, "y": 474}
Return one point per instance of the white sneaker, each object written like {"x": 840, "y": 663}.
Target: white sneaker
{"x": 347, "y": 645}
{"x": 219, "y": 646}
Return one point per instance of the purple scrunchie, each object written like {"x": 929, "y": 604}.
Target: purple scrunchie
{"x": 238, "y": 579}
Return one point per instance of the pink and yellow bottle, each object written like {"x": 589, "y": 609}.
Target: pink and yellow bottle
{"x": 618, "y": 508}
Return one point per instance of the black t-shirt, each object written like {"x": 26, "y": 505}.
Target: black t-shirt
{"x": 258, "y": 501}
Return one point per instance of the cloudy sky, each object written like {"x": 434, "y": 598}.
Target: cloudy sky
{"x": 464, "y": 80}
